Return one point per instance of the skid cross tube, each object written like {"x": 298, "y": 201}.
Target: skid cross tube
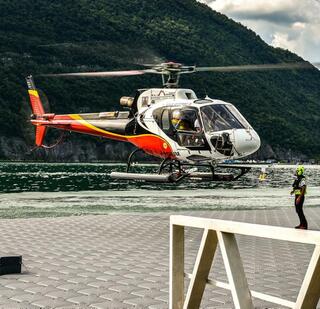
{"x": 223, "y": 232}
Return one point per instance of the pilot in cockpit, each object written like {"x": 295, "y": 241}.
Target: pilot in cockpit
{"x": 179, "y": 122}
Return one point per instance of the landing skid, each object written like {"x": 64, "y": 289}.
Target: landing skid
{"x": 173, "y": 171}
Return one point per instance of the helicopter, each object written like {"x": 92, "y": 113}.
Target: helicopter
{"x": 169, "y": 122}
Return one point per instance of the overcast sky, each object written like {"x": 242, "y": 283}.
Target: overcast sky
{"x": 289, "y": 24}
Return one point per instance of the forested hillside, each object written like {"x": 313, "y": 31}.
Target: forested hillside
{"x": 43, "y": 36}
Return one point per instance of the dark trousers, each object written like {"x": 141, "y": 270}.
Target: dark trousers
{"x": 299, "y": 210}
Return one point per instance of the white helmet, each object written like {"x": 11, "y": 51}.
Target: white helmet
{"x": 176, "y": 114}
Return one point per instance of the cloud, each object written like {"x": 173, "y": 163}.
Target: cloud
{"x": 298, "y": 25}
{"x": 284, "y": 11}
{"x": 282, "y": 40}
{"x": 289, "y": 24}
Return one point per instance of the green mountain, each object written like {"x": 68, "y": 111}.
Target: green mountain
{"x": 43, "y": 36}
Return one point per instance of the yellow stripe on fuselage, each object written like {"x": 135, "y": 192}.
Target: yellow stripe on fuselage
{"x": 89, "y": 125}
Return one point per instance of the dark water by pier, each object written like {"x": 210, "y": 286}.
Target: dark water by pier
{"x": 39, "y": 189}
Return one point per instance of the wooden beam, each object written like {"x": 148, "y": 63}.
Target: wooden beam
{"x": 258, "y": 230}
{"x": 201, "y": 269}
{"x": 237, "y": 279}
{"x": 262, "y": 296}
{"x": 309, "y": 294}
{"x": 176, "y": 267}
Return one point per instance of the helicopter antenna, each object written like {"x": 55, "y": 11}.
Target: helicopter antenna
{"x": 205, "y": 91}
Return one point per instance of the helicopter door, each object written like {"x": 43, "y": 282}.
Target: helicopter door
{"x": 162, "y": 118}
{"x": 187, "y": 128}
{"x": 183, "y": 125}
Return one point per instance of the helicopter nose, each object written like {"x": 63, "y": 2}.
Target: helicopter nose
{"x": 246, "y": 142}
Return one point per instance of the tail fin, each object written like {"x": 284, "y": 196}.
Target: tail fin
{"x": 40, "y": 134}
{"x": 36, "y": 104}
{"x": 37, "y": 110}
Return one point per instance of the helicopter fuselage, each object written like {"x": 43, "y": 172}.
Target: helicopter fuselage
{"x": 166, "y": 123}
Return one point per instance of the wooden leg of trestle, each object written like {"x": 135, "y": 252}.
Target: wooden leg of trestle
{"x": 176, "y": 267}
{"x": 201, "y": 269}
{"x": 238, "y": 283}
{"x": 310, "y": 290}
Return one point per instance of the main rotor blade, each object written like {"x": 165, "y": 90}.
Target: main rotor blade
{"x": 101, "y": 74}
{"x": 256, "y": 67}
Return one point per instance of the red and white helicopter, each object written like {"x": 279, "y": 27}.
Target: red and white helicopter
{"x": 170, "y": 123}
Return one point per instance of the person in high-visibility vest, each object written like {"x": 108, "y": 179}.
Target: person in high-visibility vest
{"x": 299, "y": 189}
{"x": 263, "y": 174}
{"x": 178, "y": 122}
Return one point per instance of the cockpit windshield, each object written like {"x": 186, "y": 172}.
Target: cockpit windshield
{"x": 219, "y": 117}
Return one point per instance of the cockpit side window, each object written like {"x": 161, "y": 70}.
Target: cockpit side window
{"x": 218, "y": 117}
{"x": 186, "y": 119}
{"x": 183, "y": 125}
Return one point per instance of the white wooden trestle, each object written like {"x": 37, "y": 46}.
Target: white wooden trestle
{"x": 223, "y": 233}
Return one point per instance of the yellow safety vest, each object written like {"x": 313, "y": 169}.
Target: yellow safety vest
{"x": 298, "y": 185}
{"x": 179, "y": 124}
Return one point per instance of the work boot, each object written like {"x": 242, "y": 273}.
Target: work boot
{"x": 302, "y": 227}
{"x": 298, "y": 226}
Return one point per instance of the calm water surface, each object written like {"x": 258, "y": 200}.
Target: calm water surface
{"x": 40, "y": 189}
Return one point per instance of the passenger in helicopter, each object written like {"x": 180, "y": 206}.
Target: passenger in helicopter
{"x": 197, "y": 126}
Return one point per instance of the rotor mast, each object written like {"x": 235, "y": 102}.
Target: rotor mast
{"x": 171, "y": 71}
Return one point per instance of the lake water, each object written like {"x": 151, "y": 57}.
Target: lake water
{"x": 40, "y": 189}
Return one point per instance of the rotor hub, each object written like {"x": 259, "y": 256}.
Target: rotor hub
{"x": 171, "y": 72}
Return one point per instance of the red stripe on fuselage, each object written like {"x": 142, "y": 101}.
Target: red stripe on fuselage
{"x": 150, "y": 143}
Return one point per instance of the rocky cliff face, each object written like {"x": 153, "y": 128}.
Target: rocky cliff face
{"x": 266, "y": 152}
{"x": 75, "y": 149}
{"x": 13, "y": 148}
{"x": 70, "y": 150}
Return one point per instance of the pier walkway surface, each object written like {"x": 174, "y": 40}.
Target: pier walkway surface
{"x": 122, "y": 260}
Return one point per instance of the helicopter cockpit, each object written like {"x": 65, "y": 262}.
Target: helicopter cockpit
{"x": 201, "y": 127}
{"x": 187, "y": 128}
{"x": 183, "y": 125}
